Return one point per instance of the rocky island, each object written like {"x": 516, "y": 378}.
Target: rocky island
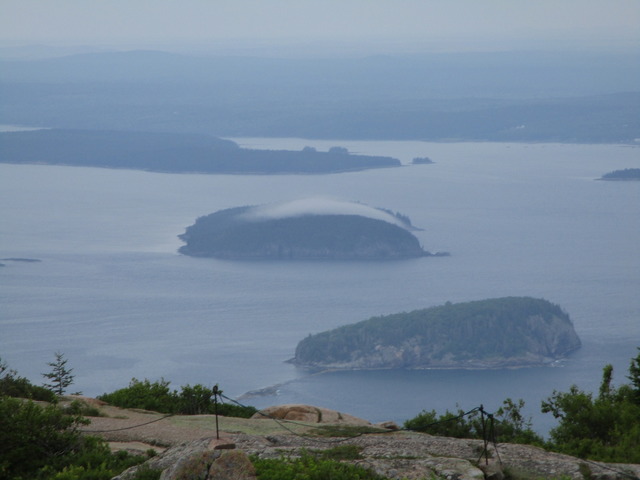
{"x": 622, "y": 175}
{"x": 493, "y": 333}
{"x": 310, "y": 229}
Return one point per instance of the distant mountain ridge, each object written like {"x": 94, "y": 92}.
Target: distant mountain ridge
{"x": 586, "y": 97}
{"x": 493, "y": 333}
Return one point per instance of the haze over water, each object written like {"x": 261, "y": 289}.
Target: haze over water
{"x": 519, "y": 219}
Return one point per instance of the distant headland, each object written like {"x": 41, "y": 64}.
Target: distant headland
{"x": 309, "y": 229}
{"x": 621, "y": 175}
{"x": 173, "y": 153}
{"x": 493, "y": 333}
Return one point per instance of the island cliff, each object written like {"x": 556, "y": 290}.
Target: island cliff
{"x": 244, "y": 233}
{"x": 494, "y": 333}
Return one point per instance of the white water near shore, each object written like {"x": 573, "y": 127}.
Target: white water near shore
{"x": 113, "y": 295}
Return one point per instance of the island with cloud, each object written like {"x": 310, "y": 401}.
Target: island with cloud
{"x": 307, "y": 229}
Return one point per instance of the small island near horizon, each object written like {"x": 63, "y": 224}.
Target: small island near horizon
{"x": 308, "y": 229}
{"x": 627, "y": 174}
{"x": 504, "y": 332}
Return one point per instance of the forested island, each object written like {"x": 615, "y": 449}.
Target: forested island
{"x": 302, "y": 231}
{"x": 493, "y": 333}
{"x": 625, "y": 174}
{"x": 172, "y": 153}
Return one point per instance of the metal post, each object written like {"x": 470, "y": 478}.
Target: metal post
{"x": 484, "y": 436}
{"x": 215, "y": 392}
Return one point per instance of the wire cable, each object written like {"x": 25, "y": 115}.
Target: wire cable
{"x": 281, "y": 423}
{"x": 128, "y": 428}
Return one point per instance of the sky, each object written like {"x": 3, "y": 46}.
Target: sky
{"x": 452, "y": 25}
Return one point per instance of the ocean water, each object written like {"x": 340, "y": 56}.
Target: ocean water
{"x": 112, "y": 293}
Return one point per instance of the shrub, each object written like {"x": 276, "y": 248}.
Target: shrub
{"x": 508, "y": 424}
{"x": 43, "y": 442}
{"x": 147, "y": 473}
{"x": 605, "y": 427}
{"x": 341, "y": 452}
{"x": 34, "y": 437}
{"x": 145, "y": 395}
{"x": 12, "y": 385}
{"x": 447, "y": 425}
{"x": 310, "y": 467}
{"x": 157, "y": 396}
{"x": 81, "y": 408}
{"x": 230, "y": 410}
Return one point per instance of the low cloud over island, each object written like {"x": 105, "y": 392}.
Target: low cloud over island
{"x": 320, "y": 206}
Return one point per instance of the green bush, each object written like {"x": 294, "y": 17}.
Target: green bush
{"x": 508, "y": 424}
{"x": 341, "y": 452}
{"x": 43, "y": 442}
{"x": 230, "y": 410}
{"x": 81, "y": 408}
{"x": 605, "y": 427}
{"x": 147, "y": 473}
{"x": 158, "y": 397}
{"x": 345, "y": 430}
{"x": 146, "y": 395}
{"x": 12, "y": 385}
{"x": 310, "y": 467}
{"x": 34, "y": 437}
{"x": 447, "y": 425}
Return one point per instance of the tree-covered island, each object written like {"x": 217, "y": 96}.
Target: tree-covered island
{"x": 625, "y": 174}
{"x": 303, "y": 230}
{"x": 173, "y": 153}
{"x": 493, "y": 333}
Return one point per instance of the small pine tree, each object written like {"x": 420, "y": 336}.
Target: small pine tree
{"x": 60, "y": 376}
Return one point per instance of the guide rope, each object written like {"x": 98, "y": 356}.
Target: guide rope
{"x": 129, "y": 427}
{"x": 281, "y": 422}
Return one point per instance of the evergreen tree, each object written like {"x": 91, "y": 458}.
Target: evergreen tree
{"x": 60, "y": 376}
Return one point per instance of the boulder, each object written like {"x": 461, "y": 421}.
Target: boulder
{"x": 210, "y": 464}
{"x": 202, "y": 459}
{"x": 309, "y": 414}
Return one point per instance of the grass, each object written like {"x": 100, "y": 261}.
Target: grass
{"x": 344, "y": 430}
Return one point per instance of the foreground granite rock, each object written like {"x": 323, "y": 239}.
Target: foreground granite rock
{"x": 396, "y": 455}
{"x": 401, "y": 455}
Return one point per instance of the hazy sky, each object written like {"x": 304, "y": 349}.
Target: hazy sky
{"x": 384, "y": 24}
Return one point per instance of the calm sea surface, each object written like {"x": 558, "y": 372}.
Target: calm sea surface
{"x": 113, "y": 295}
